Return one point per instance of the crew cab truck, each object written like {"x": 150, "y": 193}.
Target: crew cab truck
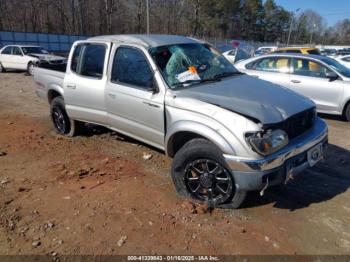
{"x": 228, "y": 133}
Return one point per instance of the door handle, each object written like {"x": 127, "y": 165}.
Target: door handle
{"x": 113, "y": 96}
{"x": 296, "y": 81}
{"x": 71, "y": 86}
{"x": 150, "y": 104}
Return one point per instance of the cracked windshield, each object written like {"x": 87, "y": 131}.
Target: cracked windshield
{"x": 186, "y": 64}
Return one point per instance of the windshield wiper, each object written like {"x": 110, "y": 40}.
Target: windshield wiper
{"x": 199, "y": 81}
{"x": 226, "y": 74}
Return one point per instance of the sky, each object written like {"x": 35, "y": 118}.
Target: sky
{"x": 331, "y": 10}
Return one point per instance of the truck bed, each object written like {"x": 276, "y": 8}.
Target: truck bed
{"x": 46, "y": 79}
{"x": 52, "y": 66}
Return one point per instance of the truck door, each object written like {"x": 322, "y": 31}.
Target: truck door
{"x": 85, "y": 82}
{"x": 134, "y": 106}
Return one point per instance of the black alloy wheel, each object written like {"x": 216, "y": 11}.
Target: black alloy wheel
{"x": 59, "y": 120}
{"x": 208, "y": 181}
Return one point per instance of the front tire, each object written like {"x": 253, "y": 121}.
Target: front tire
{"x": 347, "y": 112}
{"x": 199, "y": 172}
{"x": 30, "y": 69}
{"x": 62, "y": 123}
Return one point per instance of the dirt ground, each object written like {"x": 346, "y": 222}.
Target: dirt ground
{"x": 95, "y": 194}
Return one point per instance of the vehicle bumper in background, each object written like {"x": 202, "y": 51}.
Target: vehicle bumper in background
{"x": 277, "y": 168}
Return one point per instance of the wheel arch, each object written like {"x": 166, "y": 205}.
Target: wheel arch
{"x": 346, "y": 105}
{"x": 31, "y": 62}
{"x": 183, "y": 131}
{"x": 53, "y": 93}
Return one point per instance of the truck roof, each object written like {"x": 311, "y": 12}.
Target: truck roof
{"x": 152, "y": 40}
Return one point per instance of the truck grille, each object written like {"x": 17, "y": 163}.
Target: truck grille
{"x": 296, "y": 125}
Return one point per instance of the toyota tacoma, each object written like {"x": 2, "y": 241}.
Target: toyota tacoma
{"x": 228, "y": 133}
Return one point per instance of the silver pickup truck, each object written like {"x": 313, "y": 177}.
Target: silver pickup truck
{"x": 228, "y": 133}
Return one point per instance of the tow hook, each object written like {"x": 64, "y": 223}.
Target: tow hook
{"x": 266, "y": 185}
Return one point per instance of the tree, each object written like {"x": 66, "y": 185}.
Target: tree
{"x": 258, "y": 20}
{"x": 276, "y": 22}
{"x": 342, "y": 31}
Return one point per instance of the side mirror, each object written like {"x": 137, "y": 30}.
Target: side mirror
{"x": 332, "y": 75}
{"x": 154, "y": 86}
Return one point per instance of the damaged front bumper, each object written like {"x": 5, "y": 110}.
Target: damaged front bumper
{"x": 256, "y": 174}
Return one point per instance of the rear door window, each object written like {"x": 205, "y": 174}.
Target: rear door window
{"x": 75, "y": 58}
{"x": 88, "y": 60}
{"x": 272, "y": 64}
{"x": 305, "y": 67}
{"x": 16, "y": 51}
{"x": 7, "y": 51}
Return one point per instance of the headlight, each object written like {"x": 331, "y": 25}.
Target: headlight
{"x": 269, "y": 142}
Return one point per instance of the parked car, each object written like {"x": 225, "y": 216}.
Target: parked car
{"x": 343, "y": 52}
{"x": 230, "y": 55}
{"x": 328, "y": 52}
{"x": 298, "y": 50}
{"x": 265, "y": 50}
{"x": 319, "y": 78}
{"x": 344, "y": 60}
{"x": 20, "y": 57}
{"x": 229, "y": 133}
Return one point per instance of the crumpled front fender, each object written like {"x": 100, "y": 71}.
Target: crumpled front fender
{"x": 199, "y": 129}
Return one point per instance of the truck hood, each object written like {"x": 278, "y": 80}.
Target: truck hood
{"x": 261, "y": 100}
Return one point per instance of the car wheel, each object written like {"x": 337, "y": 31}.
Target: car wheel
{"x": 30, "y": 69}
{"x": 200, "y": 172}
{"x": 61, "y": 121}
{"x": 347, "y": 112}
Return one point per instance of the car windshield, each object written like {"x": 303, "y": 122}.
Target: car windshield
{"x": 34, "y": 50}
{"x": 186, "y": 64}
{"x": 343, "y": 70}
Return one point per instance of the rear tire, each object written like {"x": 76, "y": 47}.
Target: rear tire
{"x": 347, "y": 112}
{"x": 200, "y": 172}
{"x": 30, "y": 68}
{"x": 62, "y": 123}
